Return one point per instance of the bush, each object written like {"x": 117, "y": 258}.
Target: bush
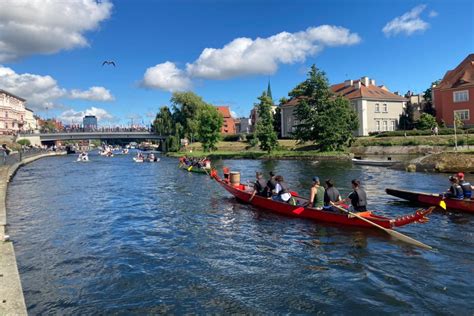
{"x": 231, "y": 138}
{"x": 24, "y": 142}
{"x": 250, "y": 137}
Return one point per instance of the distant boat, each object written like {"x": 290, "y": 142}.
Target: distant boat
{"x": 370, "y": 162}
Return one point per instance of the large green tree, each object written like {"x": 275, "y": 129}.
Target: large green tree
{"x": 209, "y": 124}
{"x": 426, "y": 121}
{"x": 186, "y": 106}
{"x": 264, "y": 130}
{"x": 427, "y": 95}
{"x": 164, "y": 123}
{"x": 322, "y": 118}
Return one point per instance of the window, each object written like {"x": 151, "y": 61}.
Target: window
{"x": 461, "y": 96}
{"x": 377, "y": 108}
{"x": 463, "y": 114}
{"x": 385, "y": 110}
{"x": 392, "y": 125}
{"x": 377, "y": 126}
{"x": 385, "y": 123}
{"x": 6, "y": 114}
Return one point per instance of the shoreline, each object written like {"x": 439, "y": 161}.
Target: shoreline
{"x": 12, "y": 301}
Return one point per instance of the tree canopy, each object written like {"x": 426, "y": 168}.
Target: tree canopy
{"x": 322, "y": 118}
{"x": 209, "y": 123}
{"x": 426, "y": 121}
{"x": 264, "y": 131}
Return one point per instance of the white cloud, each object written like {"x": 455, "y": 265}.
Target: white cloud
{"x": 245, "y": 56}
{"x": 30, "y": 27}
{"x": 72, "y": 116}
{"x": 42, "y": 92}
{"x": 408, "y": 23}
{"x": 433, "y": 14}
{"x": 93, "y": 94}
{"x": 166, "y": 76}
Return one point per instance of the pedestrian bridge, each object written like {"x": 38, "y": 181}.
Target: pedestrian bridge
{"x": 51, "y": 137}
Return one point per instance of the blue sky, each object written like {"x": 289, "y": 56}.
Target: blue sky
{"x": 51, "y": 53}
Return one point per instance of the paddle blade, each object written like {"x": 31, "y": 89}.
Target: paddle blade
{"x": 442, "y": 204}
{"x": 407, "y": 239}
{"x": 298, "y": 211}
{"x": 189, "y": 169}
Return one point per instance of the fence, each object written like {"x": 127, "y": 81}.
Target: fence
{"x": 17, "y": 156}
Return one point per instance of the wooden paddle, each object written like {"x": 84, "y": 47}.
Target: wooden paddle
{"x": 391, "y": 232}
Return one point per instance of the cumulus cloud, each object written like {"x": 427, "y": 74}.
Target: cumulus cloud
{"x": 42, "y": 92}
{"x": 246, "y": 56}
{"x": 93, "y": 94}
{"x": 44, "y": 27}
{"x": 433, "y": 14}
{"x": 72, "y": 116}
{"x": 408, "y": 23}
{"x": 166, "y": 76}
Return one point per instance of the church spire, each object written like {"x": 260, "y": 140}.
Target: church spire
{"x": 269, "y": 91}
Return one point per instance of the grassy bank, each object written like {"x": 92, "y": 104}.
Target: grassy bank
{"x": 431, "y": 140}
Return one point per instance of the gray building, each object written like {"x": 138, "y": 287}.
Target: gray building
{"x": 89, "y": 122}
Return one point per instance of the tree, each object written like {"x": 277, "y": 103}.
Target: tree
{"x": 264, "y": 131}
{"x": 277, "y": 122}
{"x": 426, "y": 121}
{"x": 186, "y": 106}
{"x": 322, "y": 118}
{"x": 209, "y": 124}
{"x": 458, "y": 122}
{"x": 407, "y": 118}
{"x": 164, "y": 123}
{"x": 428, "y": 96}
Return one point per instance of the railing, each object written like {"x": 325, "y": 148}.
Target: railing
{"x": 17, "y": 156}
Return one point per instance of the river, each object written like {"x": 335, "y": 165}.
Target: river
{"x": 116, "y": 237}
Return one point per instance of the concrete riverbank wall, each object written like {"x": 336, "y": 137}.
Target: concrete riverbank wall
{"x": 12, "y": 301}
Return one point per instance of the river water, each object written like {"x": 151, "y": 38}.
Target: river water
{"x": 116, "y": 237}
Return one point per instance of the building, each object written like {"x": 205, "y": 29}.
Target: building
{"x": 89, "y": 122}
{"x": 12, "y": 113}
{"x": 31, "y": 123}
{"x": 377, "y": 108}
{"x": 243, "y": 125}
{"x": 228, "y": 128}
{"x": 254, "y": 112}
{"x": 454, "y": 95}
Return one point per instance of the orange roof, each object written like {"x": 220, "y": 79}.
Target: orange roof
{"x": 462, "y": 75}
{"x": 224, "y": 110}
{"x": 365, "y": 92}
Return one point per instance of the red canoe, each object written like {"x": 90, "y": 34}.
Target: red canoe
{"x": 433, "y": 199}
{"x": 244, "y": 192}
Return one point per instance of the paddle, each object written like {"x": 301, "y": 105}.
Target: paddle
{"x": 442, "y": 204}
{"x": 391, "y": 232}
{"x": 299, "y": 210}
{"x": 190, "y": 168}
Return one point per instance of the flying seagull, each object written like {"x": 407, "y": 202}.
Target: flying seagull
{"x": 108, "y": 62}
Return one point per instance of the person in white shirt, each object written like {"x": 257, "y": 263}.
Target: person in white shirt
{"x": 282, "y": 190}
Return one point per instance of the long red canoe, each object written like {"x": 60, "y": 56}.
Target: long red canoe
{"x": 433, "y": 199}
{"x": 244, "y": 192}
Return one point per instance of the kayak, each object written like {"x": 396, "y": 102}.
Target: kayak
{"x": 380, "y": 163}
{"x": 195, "y": 169}
{"x": 433, "y": 199}
{"x": 243, "y": 193}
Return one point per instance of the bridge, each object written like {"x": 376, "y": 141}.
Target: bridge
{"x": 63, "y": 136}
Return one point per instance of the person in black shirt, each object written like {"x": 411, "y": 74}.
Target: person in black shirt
{"x": 466, "y": 186}
{"x": 259, "y": 186}
{"x": 271, "y": 184}
{"x": 358, "y": 198}
{"x": 331, "y": 194}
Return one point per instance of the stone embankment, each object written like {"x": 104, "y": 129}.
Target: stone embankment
{"x": 12, "y": 301}
{"x": 450, "y": 162}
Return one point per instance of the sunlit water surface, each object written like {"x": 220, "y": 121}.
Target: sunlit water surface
{"x": 114, "y": 236}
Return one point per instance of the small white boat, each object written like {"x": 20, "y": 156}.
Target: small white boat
{"x": 370, "y": 162}
{"x": 83, "y": 157}
{"x": 138, "y": 159}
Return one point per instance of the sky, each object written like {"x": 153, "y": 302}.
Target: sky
{"x": 52, "y": 51}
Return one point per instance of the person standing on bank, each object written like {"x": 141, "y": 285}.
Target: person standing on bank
{"x": 259, "y": 186}
{"x": 316, "y": 194}
{"x": 358, "y": 198}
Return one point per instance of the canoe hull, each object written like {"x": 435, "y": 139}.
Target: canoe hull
{"x": 243, "y": 193}
{"x": 374, "y": 162}
{"x": 433, "y": 199}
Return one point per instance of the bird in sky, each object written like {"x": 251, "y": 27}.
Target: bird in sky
{"x": 108, "y": 62}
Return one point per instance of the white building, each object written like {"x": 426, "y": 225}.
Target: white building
{"x": 12, "y": 113}
{"x": 31, "y": 123}
{"x": 377, "y": 108}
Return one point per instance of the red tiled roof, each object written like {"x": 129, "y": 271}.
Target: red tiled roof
{"x": 462, "y": 75}
{"x": 365, "y": 92}
{"x": 224, "y": 110}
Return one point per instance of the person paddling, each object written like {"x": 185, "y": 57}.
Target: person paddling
{"x": 358, "y": 198}
{"x": 466, "y": 186}
{"x": 316, "y": 194}
{"x": 282, "y": 190}
{"x": 259, "y": 186}
{"x": 455, "y": 190}
{"x": 271, "y": 184}
{"x": 331, "y": 194}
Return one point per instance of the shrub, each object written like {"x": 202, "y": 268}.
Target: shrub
{"x": 24, "y": 142}
{"x": 250, "y": 137}
{"x": 231, "y": 138}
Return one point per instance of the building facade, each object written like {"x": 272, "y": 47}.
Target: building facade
{"x": 89, "y": 122}
{"x": 228, "y": 128}
{"x": 454, "y": 95}
{"x": 31, "y": 123}
{"x": 12, "y": 113}
{"x": 377, "y": 108}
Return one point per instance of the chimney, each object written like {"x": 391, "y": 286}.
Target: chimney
{"x": 365, "y": 81}
{"x": 372, "y": 82}
{"x": 348, "y": 83}
{"x": 357, "y": 85}
{"x": 396, "y": 92}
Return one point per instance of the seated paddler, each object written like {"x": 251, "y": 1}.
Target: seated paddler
{"x": 465, "y": 185}
{"x": 316, "y": 194}
{"x": 259, "y": 186}
{"x": 282, "y": 191}
{"x": 455, "y": 190}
